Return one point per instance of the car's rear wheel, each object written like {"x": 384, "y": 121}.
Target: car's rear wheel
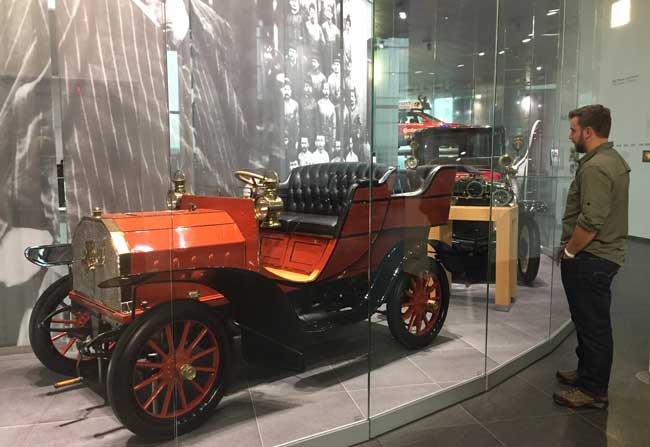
{"x": 55, "y": 325}
{"x": 417, "y": 308}
{"x": 169, "y": 369}
{"x": 529, "y": 250}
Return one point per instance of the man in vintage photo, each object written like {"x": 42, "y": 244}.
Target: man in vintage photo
{"x": 326, "y": 124}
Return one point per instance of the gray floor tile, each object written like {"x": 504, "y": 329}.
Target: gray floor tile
{"x": 14, "y": 436}
{"x": 513, "y": 399}
{"x": 287, "y": 418}
{"x": 73, "y": 404}
{"x": 502, "y": 355}
{"x": 452, "y": 366}
{"x": 315, "y": 380}
{"x": 97, "y": 432}
{"x": 27, "y": 406}
{"x": 25, "y": 371}
{"x": 384, "y": 399}
{"x": 233, "y": 424}
{"x": 468, "y": 435}
{"x": 558, "y": 431}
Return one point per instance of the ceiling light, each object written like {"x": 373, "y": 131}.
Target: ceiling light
{"x": 502, "y": 52}
{"x": 539, "y": 68}
{"x": 479, "y": 96}
{"x": 482, "y": 53}
{"x": 525, "y": 103}
{"x": 526, "y": 40}
{"x": 418, "y": 72}
{"x": 431, "y": 73}
{"x": 381, "y": 45}
{"x": 460, "y": 65}
{"x": 620, "y": 13}
{"x": 552, "y": 12}
{"x": 539, "y": 106}
{"x": 402, "y": 15}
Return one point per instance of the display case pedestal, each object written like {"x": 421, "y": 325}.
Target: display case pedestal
{"x": 506, "y": 221}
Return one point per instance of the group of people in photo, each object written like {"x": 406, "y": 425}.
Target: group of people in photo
{"x": 322, "y": 117}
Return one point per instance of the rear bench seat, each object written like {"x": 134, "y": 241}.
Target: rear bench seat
{"x": 317, "y": 197}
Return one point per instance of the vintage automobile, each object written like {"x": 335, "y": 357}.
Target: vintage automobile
{"x": 486, "y": 175}
{"x": 411, "y": 118}
{"x": 150, "y": 296}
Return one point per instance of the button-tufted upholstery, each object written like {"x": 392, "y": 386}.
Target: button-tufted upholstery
{"x": 316, "y": 197}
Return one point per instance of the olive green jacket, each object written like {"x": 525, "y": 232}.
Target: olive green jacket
{"x": 598, "y": 201}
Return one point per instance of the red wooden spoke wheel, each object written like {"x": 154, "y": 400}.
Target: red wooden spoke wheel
{"x": 66, "y": 318}
{"x": 422, "y": 304}
{"x": 169, "y": 369}
{"x": 179, "y": 363}
{"x": 55, "y": 326}
{"x": 417, "y": 308}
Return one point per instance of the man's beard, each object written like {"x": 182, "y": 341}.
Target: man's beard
{"x": 580, "y": 147}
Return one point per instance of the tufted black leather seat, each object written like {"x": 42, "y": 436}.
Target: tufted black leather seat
{"x": 316, "y": 197}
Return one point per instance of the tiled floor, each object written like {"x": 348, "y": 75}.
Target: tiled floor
{"x": 520, "y": 412}
{"x": 263, "y": 405}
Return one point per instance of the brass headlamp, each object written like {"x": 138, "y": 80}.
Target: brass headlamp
{"x": 411, "y": 161}
{"x": 268, "y": 205}
{"x": 174, "y": 195}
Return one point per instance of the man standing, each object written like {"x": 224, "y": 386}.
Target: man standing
{"x": 593, "y": 246}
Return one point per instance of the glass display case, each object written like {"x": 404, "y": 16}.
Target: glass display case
{"x": 286, "y": 222}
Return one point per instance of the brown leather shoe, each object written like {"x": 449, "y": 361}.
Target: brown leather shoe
{"x": 576, "y": 398}
{"x": 567, "y": 377}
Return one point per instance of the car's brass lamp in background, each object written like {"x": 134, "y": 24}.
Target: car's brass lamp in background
{"x": 174, "y": 195}
{"x": 268, "y": 205}
{"x": 411, "y": 161}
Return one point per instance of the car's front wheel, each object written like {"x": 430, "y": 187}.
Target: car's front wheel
{"x": 417, "y": 308}
{"x": 55, "y": 325}
{"x": 169, "y": 369}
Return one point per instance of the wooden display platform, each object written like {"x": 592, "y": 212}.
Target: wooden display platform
{"x": 506, "y": 220}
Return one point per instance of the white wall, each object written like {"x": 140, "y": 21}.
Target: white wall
{"x": 624, "y": 86}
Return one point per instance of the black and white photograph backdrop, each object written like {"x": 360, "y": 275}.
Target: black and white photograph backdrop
{"x": 121, "y": 93}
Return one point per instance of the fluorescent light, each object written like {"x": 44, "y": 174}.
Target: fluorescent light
{"x": 620, "y": 13}
{"x": 402, "y": 15}
{"x": 552, "y": 12}
{"x": 482, "y": 53}
{"x": 502, "y": 52}
{"x": 479, "y": 96}
{"x": 526, "y": 40}
{"x": 431, "y": 73}
{"x": 460, "y": 65}
{"x": 418, "y": 72}
{"x": 539, "y": 68}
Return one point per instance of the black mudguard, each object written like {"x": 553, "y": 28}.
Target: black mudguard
{"x": 450, "y": 258}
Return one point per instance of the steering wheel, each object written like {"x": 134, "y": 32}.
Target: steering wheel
{"x": 250, "y": 178}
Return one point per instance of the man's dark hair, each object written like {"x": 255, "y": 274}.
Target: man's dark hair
{"x": 598, "y": 117}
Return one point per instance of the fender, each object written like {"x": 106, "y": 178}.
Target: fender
{"x": 448, "y": 256}
{"x": 271, "y": 331}
{"x": 49, "y": 255}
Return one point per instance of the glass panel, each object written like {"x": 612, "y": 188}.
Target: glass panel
{"x": 278, "y": 89}
{"x": 434, "y": 90}
{"x": 529, "y": 67}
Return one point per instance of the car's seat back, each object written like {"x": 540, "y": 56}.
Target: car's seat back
{"x": 325, "y": 188}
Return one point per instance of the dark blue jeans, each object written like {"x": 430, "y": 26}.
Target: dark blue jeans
{"x": 587, "y": 280}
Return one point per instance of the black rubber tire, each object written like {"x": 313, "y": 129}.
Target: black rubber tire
{"x": 394, "y": 310}
{"x": 40, "y": 337}
{"x": 528, "y": 247}
{"x": 119, "y": 382}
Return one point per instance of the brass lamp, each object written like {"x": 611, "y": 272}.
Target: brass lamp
{"x": 174, "y": 195}
{"x": 268, "y": 205}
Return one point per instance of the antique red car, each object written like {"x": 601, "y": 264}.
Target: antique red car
{"x": 411, "y": 120}
{"x": 152, "y": 299}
